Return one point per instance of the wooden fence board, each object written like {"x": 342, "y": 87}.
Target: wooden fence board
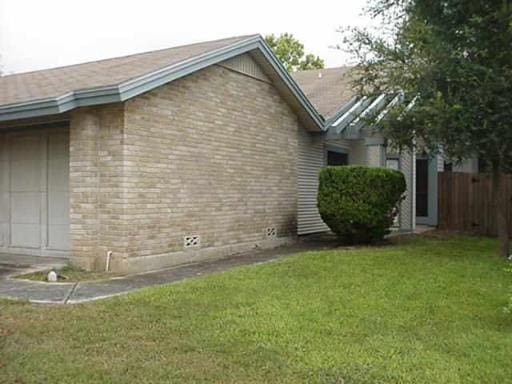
{"x": 465, "y": 202}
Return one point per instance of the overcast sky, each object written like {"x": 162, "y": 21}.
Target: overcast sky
{"x": 36, "y": 34}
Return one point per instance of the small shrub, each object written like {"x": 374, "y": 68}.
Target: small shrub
{"x": 359, "y": 203}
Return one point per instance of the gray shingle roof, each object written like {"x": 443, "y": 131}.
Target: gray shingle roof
{"x": 328, "y": 89}
{"x": 51, "y": 83}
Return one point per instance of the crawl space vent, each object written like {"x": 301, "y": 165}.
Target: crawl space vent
{"x": 191, "y": 241}
{"x": 271, "y": 232}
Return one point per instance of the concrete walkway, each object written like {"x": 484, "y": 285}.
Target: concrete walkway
{"x": 71, "y": 293}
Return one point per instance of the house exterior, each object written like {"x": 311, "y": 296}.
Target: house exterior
{"x": 348, "y": 140}
{"x": 167, "y": 157}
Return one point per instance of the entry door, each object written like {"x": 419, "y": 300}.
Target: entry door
{"x": 34, "y": 217}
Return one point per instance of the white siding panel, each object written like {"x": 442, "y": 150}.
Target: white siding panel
{"x": 408, "y": 205}
{"x": 310, "y": 161}
{"x": 246, "y": 65}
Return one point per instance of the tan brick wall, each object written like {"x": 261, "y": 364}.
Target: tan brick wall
{"x": 97, "y": 194}
{"x": 213, "y": 154}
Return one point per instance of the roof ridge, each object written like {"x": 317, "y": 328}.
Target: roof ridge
{"x": 240, "y": 37}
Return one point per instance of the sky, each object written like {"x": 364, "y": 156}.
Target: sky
{"x": 37, "y": 34}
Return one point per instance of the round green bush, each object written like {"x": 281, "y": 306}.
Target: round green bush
{"x": 359, "y": 203}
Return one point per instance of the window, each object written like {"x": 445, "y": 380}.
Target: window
{"x": 337, "y": 158}
{"x": 422, "y": 187}
{"x": 448, "y": 166}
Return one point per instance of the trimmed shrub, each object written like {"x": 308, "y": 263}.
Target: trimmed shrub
{"x": 359, "y": 203}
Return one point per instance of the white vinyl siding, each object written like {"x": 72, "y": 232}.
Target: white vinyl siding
{"x": 311, "y": 160}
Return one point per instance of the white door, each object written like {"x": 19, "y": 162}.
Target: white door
{"x": 34, "y": 214}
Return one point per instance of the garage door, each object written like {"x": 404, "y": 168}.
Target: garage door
{"x": 34, "y": 213}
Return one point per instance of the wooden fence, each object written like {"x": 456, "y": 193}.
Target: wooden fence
{"x": 465, "y": 202}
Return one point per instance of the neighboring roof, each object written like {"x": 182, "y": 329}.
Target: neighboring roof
{"x": 58, "y": 90}
{"x": 345, "y": 112}
{"x": 328, "y": 89}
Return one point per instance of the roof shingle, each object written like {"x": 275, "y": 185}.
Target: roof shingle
{"x": 51, "y": 83}
{"x": 328, "y": 89}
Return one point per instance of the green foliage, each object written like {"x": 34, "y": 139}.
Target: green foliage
{"x": 291, "y": 53}
{"x": 455, "y": 59}
{"x": 452, "y": 61}
{"x": 411, "y": 313}
{"x": 359, "y": 203}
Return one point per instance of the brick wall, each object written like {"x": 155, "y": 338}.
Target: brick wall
{"x": 96, "y": 182}
{"x": 213, "y": 154}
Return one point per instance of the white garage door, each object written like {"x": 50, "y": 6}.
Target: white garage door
{"x": 34, "y": 211}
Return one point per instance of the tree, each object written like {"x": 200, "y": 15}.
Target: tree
{"x": 452, "y": 61}
{"x": 291, "y": 53}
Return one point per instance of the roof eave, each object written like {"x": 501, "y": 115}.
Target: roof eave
{"x": 147, "y": 82}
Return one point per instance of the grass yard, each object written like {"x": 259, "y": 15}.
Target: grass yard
{"x": 425, "y": 311}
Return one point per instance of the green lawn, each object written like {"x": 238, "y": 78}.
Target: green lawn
{"x": 424, "y": 311}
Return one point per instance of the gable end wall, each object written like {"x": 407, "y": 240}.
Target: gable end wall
{"x": 211, "y": 155}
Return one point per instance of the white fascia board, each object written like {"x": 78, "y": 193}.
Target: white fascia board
{"x": 377, "y": 103}
{"x": 349, "y": 112}
{"x": 398, "y": 98}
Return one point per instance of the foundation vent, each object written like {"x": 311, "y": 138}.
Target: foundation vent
{"x": 271, "y": 232}
{"x": 191, "y": 241}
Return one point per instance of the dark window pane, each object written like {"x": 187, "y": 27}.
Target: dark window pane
{"x": 422, "y": 187}
{"x": 448, "y": 167}
{"x": 336, "y": 158}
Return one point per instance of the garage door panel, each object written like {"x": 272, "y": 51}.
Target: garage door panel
{"x": 58, "y": 145}
{"x": 4, "y": 228}
{"x": 25, "y": 235}
{"x": 58, "y": 162}
{"x": 4, "y": 207}
{"x": 58, "y": 171}
{"x": 25, "y": 176}
{"x": 24, "y": 146}
{"x": 4, "y": 175}
{"x": 26, "y": 208}
{"x": 34, "y": 197}
{"x": 58, "y": 237}
{"x": 58, "y": 195}
{"x": 58, "y": 209}
{"x": 4, "y": 217}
